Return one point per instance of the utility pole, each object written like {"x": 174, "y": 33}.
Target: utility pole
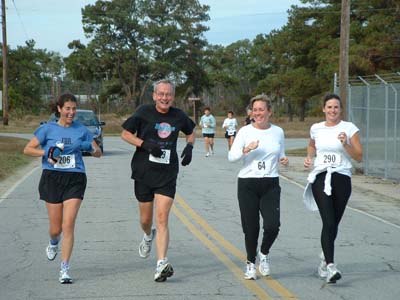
{"x": 5, "y": 64}
{"x": 193, "y": 100}
{"x": 344, "y": 55}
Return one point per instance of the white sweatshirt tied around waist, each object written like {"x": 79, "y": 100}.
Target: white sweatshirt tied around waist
{"x": 308, "y": 197}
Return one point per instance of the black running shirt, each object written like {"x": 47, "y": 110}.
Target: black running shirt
{"x": 163, "y": 129}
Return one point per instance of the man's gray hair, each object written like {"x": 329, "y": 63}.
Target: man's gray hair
{"x": 165, "y": 81}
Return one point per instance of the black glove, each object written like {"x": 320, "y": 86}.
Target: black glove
{"x": 53, "y": 154}
{"x": 152, "y": 148}
{"x": 187, "y": 154}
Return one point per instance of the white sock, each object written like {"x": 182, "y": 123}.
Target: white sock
{"x": 164, "y": 260}
{"x": 148, "y": 237}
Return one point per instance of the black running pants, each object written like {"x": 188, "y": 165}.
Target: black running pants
{"x": 259, "y": 196}
{"x": 331, "y": 209}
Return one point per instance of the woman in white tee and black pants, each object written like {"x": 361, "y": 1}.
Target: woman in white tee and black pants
{"x": 334, "y": 143}
{"x": 260, "y": 145}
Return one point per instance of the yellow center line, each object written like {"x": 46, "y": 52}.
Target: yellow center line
{"x": 250, "y": 284}
{"x": 273, "y": 284}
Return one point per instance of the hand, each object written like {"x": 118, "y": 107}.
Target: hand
{"x": 187, "y": 154}
{"x": 87, "y": 146}
{"x": 250, "y": 147}
{"x": 152, "y": 148}
{"x": 307, "y": 162}
{"x": 253, "y": 145}
{"x": 284, "y": 161}
{"x": 342, "y": 138}
{"x": 54, "y": 153}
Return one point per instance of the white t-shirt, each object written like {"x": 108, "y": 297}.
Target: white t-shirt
{"x": 330, "y": 151}
{"x": 263, "y": 161}
{"x": 232, "y": 125}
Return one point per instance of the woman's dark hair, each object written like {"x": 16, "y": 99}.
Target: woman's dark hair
{"x": 331, "y": 96}
{"x": 61, "y": 101}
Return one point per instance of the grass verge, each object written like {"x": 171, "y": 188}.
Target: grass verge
{"x": 302, "y": 152}
{"x": 11, "y": 156}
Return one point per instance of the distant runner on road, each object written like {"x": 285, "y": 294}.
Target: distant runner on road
{"x": 208, "y": 123}
{"x": 230, "y": 125}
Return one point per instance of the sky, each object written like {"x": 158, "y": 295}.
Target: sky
{"x": 55, "y": 23}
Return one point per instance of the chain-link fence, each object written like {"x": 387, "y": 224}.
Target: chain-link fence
{"x": 373, "y": 105}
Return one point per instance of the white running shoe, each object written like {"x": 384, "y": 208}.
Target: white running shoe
{"x": 51, "y": 251}
{"x": 145, "y": 245}
{"x": 64, "y": 276}
{"x": 333, "y": 273}
{"x": 207, "y": 154}
{"x": 251, "y": 272}
{"x": 322, "y": 271}
{"x": 264, "y": 266}
{"x": 163, "y": 271}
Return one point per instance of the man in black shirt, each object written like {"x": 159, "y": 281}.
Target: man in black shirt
{"x": 154, "y": 130}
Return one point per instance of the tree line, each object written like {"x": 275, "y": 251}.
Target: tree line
{"x": 134, "y": 42}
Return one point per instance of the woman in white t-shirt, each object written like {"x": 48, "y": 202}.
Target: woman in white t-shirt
{"x": 261, "y": 147}
{"x": 230, "y": 125}
{"x": 333, "y": 143}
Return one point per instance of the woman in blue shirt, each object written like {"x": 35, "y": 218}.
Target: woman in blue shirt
{"x": 63, "y": 181}
{"x": 208, "y": 123}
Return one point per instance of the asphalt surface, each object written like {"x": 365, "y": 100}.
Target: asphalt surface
{"x": 207, "y": 244}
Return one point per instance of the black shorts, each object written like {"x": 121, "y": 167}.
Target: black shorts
{"x": 57, "y": 186}
{"x": 145, "y": 193}
{"x": 229, "y": 136}
{"x": 209, "y": 135}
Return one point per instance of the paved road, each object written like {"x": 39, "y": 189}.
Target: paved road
{"x": 206, "y": 249}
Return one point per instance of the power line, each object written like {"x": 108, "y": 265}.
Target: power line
{"x": 20, "y": 19}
